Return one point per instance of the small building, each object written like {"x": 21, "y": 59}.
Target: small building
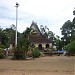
{"x": 40, "y": 41}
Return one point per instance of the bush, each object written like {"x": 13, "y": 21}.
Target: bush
{"x": 1, "y": 53}
{"x": 18, "y": 54}
{"x": 2, "y": 56}
{"x": 35, "y": 53}
{"x": 70, "y": 48}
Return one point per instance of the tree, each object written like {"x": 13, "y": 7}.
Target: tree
{"x": 26, "y": 41}
{"x": 23, "y": 44}
{"x": 74, "y": 12}
{"x": 73, "y": 31}
{"x": 0, "y": 35}
{"x": 51, "y": 35}
{"x": 7, "y": 36}
{"x": 27, "y": 32}
{"x": 46, "y": 32}
{"x": 13, "y": 27}
{"x": 67, "y": 31}
{"x": 43, "y": 30}
{"x": 58, "y": 43}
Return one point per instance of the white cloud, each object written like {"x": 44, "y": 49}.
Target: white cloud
{"x": 52, "y": 13}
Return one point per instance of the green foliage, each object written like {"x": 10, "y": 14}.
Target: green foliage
{"x": 71, "y": 48}
{"x": 2, "y": 46}
{"x": 59, "y": 45}
{"x": 23, "y": 45}
{"x": 68, "y": 31}
{"x": 45, "y": 32}
{"x": 1, "y": 53}
{"x": 18, "y": 54}
{"x": 7, "y": 36}
{"x": 27, "y": 32}
{"x": 35, "y": 53}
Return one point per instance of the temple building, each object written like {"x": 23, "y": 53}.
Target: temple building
{"x": 36, "y": 38}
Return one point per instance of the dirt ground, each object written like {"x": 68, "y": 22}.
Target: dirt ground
{"x": 49, "y": 65}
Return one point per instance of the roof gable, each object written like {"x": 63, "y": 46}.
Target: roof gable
{"x": 34, "y": 26}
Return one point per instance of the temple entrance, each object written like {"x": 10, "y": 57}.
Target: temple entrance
{"x": 40, "y": 47}
{"x": 47, "y": 45}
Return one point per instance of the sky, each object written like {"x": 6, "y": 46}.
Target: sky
{"x": 50, "y": 13}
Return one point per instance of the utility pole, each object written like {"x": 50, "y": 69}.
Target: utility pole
{"x": 17, "y": 5}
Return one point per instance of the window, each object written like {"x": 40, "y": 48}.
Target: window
{"x": 47, "y": 45}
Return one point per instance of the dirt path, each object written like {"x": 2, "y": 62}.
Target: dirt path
{"x": 56, "y": 65}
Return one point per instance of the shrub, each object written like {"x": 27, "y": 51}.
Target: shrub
{"x": 70, "y": 48}
{"x": 1, "y": 53}
{"x": 18, "y": 54}
{"x": 2, "y": 56}
{"x": 35, "y": 53}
